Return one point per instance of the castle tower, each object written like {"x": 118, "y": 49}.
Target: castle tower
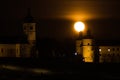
{"x": 79, "y": 44}
{"x": 88, "y": 47}
{"x": 29, "y": 28}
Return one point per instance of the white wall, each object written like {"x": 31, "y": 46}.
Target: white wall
{"x": 9, "y": 50}
{"x": 109, "y": 53}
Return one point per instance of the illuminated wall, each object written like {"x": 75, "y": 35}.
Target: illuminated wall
{"x": 109, "y": 53}
{"x": 9, "y": 50}
{"x": 78, "y": 46}
{"x": 15, "y": 50}
{"x": 88, "y": 53}
{"x": 91, "y": 52}
{"x": 30, "y": 31}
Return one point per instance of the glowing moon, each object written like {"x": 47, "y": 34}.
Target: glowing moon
{"x": 79, "y": 26}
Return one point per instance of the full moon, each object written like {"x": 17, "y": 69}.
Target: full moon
{"x": 79, "y": 26}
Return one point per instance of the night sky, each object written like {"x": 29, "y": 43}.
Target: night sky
{"x": 55, "y": 18}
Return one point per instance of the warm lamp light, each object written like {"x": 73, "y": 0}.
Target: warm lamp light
{"x": 79, "y": 26}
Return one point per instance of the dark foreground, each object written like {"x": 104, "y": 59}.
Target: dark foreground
{"x": 56, "y": 69}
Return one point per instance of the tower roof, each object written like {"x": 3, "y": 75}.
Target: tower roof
{"x": 13, "y": 39}
{"x": 88, "y": 35}
{"x": 107, "y": 42}
{"x": 29, "y": 17}
{"x": 80, "y": 37}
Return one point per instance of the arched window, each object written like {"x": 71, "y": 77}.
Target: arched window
{"x": 2, "y": 50}
{"x": 25, "y": 28}
{"x": 117, "y": 49}
{"x": 88, "y": 43}
{"x": 118, "y": 54}
{"x": 31, "y": 28}
{"x": 109, "y": 55}
{"x": 113, "y": 49}
{"x": 109, "y": 49}
{"x": 113, "y": 54}
{"x": 99, "y": 49}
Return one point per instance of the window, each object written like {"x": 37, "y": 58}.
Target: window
{"x": 31, "y": 28}
{"x": 113, "y": 54}
{"x": 2, "y": 50}
{"x": 25, "y": 27}
{"x": 113, "y": 49}
{"x": 117, "y": 49}
{"x": 100, "y": 54}
{"x": 118, "y": 54}
{"x": 109, "y": 49}
{"x": 11, "y": 52}
{"x": 99, "y": 49}
{"x": 81, "y": 45}
{"x": 109, "y": 55}
{"x": 16, "y": 50}
{"x": 76, "y": 53}
{"x": 88, "y": 44}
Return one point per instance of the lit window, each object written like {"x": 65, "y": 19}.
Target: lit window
{"x": 117, "y": 49}
{"x": 108, "y": 49}
{"x": 75, "y": 53}
{"x": 99, "y": 49}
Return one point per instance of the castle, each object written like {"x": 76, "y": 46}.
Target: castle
{"x": 97, "y": 51}
{"x": 86, "y": 45}
{"x": 20, "y": 47}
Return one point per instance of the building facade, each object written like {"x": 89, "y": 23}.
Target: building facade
{"x": 109, "y": 53}
{"x": 95, "y": 51}
{"x": 19, "y": 48}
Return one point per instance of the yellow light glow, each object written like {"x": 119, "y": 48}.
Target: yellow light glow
{"x": 79, "y": 26}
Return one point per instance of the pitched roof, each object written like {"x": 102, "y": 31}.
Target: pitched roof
{"x": 13, "y": 39}
{"x": 107, "y": 42}
{"x": 29, "y": 18}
